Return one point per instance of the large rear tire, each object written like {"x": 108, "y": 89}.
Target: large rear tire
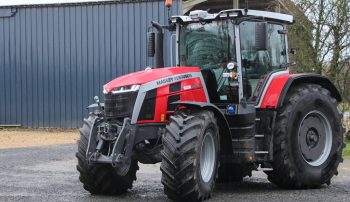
{"x": 190, "y": 156}
{"x": 308, "y": 139}
{"x": 101, "y": 178}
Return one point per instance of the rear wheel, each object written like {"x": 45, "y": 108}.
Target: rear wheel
{"x": 101, "y": 178}
{"x": 308, "y": 139}
{"x": 190, "y": 156}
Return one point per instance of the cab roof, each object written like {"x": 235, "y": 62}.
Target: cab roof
{"x": 200, "y": 15}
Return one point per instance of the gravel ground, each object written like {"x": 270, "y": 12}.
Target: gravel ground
{"x": 48, "y": 174}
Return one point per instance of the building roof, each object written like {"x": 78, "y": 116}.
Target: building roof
{"x": 6, "y": 3}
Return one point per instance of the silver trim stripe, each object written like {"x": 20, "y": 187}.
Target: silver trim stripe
{"x": 159, "y": 83}
{"x": 268, "y": 84}
{"x": 239, "y": 59}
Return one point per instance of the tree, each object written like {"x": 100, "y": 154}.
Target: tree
{"x": 322, "y": 36}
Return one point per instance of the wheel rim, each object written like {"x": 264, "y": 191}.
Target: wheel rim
{"x": 207, "y": 157}
{"x": 315, "y": 138}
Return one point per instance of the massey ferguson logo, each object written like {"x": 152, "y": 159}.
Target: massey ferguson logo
{"x": 173, "y": 79}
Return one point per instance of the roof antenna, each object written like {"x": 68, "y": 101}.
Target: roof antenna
{"x": 246, "y": 11}
{"x": 246, "y": 8}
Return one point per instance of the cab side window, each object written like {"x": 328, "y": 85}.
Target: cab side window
{"x": 257, "y": 63}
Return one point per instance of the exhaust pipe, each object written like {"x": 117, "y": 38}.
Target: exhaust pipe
{"x": 159, "y": 45}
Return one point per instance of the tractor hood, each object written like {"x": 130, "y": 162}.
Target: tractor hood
{"x": 145, "y": 76}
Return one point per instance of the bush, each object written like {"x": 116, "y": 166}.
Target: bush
{"x": 346, "y": 123}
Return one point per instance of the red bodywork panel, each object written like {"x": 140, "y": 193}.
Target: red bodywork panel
{"x": 145, "y": 76}
{"x": 274, "y": 90}
{"x": 191, "y": 90}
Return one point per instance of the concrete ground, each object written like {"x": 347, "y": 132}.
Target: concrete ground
{"x": 48, "y": 173}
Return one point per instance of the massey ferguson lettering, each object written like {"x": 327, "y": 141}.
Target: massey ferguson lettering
{"x": 181, "y": 77}
{"x": 173, "y": 79}
{"x": 167, "y": 80}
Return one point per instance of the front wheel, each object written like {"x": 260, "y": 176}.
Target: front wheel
{"x": 101, "y": 179}
{"x": 190, "y": 156}
{"x": 308, "y": 139}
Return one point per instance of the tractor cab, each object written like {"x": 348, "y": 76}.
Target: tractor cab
{"x": 235, "y": 50}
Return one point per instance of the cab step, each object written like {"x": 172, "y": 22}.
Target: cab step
{"x": 261, "y": 152}
{"x": 264, "y": 169}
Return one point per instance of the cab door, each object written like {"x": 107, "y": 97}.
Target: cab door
{"x": 258, "y": 62}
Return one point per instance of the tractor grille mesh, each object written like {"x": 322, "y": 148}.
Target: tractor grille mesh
{"x": 119, "y": 105}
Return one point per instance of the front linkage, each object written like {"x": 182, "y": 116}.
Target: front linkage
{"x": 120, "y": 157}
{"x": 118, "y": 144}
{"x": 120, "y": 140}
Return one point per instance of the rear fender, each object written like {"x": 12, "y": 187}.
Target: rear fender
{"x": 309, "y": 78}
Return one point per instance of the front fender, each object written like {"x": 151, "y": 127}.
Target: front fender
{"x": 224, "y": 129}
{"x": 204, "y": 105}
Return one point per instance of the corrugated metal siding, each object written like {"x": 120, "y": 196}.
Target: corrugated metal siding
{"x": 53, "y": 60}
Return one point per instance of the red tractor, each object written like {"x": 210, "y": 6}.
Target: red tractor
{"x": 230, "y": 106}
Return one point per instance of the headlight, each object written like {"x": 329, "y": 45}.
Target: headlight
{"x": 125, "y": 89}
{"x": 105, "y": 91}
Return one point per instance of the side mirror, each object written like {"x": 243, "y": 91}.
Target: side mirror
{"x": 283, "y": 31}
{"x": 260, "y": 36}
{"x": 293, "y": 51}
{"x": 151, "y": 44}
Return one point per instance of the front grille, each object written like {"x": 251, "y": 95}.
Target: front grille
{"x": 148, "y": 106}
{"x": 119, "y": 105}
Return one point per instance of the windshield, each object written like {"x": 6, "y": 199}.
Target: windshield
{"x": 207, "y": 45}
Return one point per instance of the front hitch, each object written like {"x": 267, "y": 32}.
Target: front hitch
{"x": 120, "y": 157}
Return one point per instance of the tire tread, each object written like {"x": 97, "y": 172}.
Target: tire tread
{"x": 178, "y": 165}
{"x": 285, "y": 171}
